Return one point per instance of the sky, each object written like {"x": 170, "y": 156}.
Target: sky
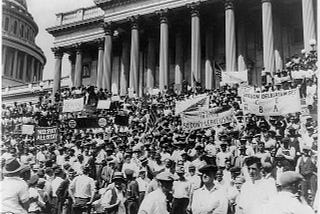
{"x": 43, "y": 12}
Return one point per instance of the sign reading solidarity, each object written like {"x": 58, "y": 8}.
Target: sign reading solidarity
{"x": 205, "y": 119}
{"x": 272, "y": 103}
{"x": 46, "y": 134}
{"x": 87, "y": 123}
{"x": 73, "y": 105}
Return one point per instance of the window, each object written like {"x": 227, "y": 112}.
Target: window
{"x": 15, "y": 27}
{"x": 86, "y": 70}
{"x": 27, "y": 34}
{"x": 21, "y": 31}
{"x": 6, "y": 24}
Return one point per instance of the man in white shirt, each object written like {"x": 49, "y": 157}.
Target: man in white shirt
{"x": 82, "y": 190}
{"x": 59, "y": 177}
{"x": 181, "y": 191}
{"x": 209, "y": 198}
{"x": 14, "y": 197}
{"x": 143, "y": 183}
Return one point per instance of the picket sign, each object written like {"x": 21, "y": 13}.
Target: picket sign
{"x": 73, "y": 105}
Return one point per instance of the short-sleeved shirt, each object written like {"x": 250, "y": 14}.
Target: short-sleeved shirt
{"x": 154, "y": 203}
{"x": 13, "y": 192}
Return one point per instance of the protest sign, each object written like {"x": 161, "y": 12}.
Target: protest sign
{"x": 73, "y": 105}
{"x": 199, "y": 102}
{"x": 103, "y": 104}
{"x": 87, "y": 123}
{"x": 205, "y": 119}
{"x": 272, "y": 103}
{"x": 27, "y": 129}
{"x": 46, "y": 135}
{"x": 233, "y": 77}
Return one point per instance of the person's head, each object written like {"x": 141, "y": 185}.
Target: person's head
{"x": 290, "y": 181}
{"x": 142, "y": 174}
{"x": 223, "y": 146}
{"x": 180, "y": 172}
{"x": 165, "y": 180}
{"x": 127, "y": 158}
{"x": 254, "y": 167}
{"x": 266, "y": 168}
{"x": 118, "y": 180}
{"x": 192, "y": 170}
{"x": 261, "y": 146}
{"x": 12, "y": 168}
{"x": 239, "y": 181}
{"x": 208, "y": 174}
{"x": 228, "y": 163}
{"x": 129, "y": 174}
{"x": 71, "y": 174}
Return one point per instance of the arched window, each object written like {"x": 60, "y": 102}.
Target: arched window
{"x": 6, "y": 24}
{"x": 22, "y": 31}
{"x": 15, "y": 27}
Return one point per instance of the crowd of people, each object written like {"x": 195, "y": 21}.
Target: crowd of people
{"x": 255, "y": 164}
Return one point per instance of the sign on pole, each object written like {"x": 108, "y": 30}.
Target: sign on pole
{"x": 103, "y": 104}
{"x": 27, "y": 129}
{"x": 73, "y": 105}
{"x": 46, "y": 135}
{"x": 272, "y": 103}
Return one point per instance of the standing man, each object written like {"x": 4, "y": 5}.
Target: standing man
{"x": 82, "y": 190}
{"x": 59, "y": 177}
{"x": 209, "y": 198}
{"x": 256, "y": 192}
{"x": 182, "y": 190}
{"x": 132, "y": 192}
{"x": 156, "y": 201}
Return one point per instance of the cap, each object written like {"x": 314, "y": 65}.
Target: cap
{"x": 290, "y": 177}
{"x": 118, "y": 176}
{"x": 208, "y": 168}
{"x": 252, "y": 160}
{"x": 165, "y": 176}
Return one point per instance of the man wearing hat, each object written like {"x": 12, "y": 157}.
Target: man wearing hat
{"x": 132, "y": 193}
{"x": 113, "y": 199}
{"x": 143, "y": 182}
{"x": 182, "y": 190}
{"x": 63, "y": 194}
{"x": 107, "y": 172}
{"x": 256, "y": 191}
{"x": 59, "y": 177}
{"x": 193, "y": 177}
{"x": 156, "y": 202}
{"x": 209, "y": 198}
{"x": 14, "y": 190}
{"x": 286, "y": 201}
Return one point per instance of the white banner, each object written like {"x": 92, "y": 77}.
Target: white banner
{"x": 272, "y": 103}
{"x": 115, "y": 98}
{"x": 199, "y": 102}
{"x": 232, "y": 77}
{"x": 205, "y": 119}
{"x": 27, "y": 129}
{"x": 73, "y": 105}
{"x": 103, "y": 104}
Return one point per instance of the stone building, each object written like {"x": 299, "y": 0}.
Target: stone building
{"x": 22, "y": 59}
{"x": 142, "y": 44}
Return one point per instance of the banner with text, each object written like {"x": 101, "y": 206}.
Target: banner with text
{"x": 46, "y": 135}
{"x": 205, "y": 119}
{"x": 196, "y": 103}
{"x": 87, "y": 123}
{"x": 272, "y": 103}
{"x": 73, "y": 105}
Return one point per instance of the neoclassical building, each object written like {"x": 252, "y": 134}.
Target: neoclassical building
{"x": 22, "y": 59}
{"x": 142, "y": 44}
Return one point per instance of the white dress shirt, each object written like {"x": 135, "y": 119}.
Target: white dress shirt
{"x": 82, "y": 186}
{"x": 55, "y": 185}
{"x": 154, "y": 203}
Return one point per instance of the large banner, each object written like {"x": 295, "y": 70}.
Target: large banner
{"x": 87, "y": 123}
{"x": 200, "y": 102}
{"x": 73, "y": 105}
{"x": 272, "y": 103}
{"x": 232, "y": 77}
{"x": 46, "y": 135}
{"x": 205, "y": 119}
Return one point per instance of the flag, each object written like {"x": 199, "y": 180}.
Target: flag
{"x": 152, "y": 116}
{"x": 217, "y": 70}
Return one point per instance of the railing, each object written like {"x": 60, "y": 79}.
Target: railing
{"x": 45, "y": 84}
{"x": 78, "y": 15}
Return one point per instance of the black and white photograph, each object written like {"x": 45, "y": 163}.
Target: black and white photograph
{"x": 159, "y": 107}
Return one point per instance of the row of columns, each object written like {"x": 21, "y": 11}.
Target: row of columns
{"x": 104, "y": 73}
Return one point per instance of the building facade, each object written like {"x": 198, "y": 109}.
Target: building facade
{"x": 122, "y": 45}
{"x": 22, "y": 59}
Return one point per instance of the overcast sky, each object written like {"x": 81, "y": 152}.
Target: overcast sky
{"x": 43, "y": 12}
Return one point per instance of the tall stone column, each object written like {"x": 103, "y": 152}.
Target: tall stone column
{"x": 241, "y": 44}
{"x": 58, "y": 54}
{"x": 72, "y": 68}
{"x": 78, "y": 67}
{"x": 134, "y": 54}
{"x": 4, "y": 59}
{"x": 32, "y": 69}
{"x": 267, "y": 31}
{"x": 308, "y": 23}
{"x": 107, "y": 59}
{"x": 124, "y": 67}
{"x": 14, "y": 72}
{"x": 25, "y": 67}
{"x": 195, "y": 42}
{"x": 230, "y": 38}
{"x": 151, "y": 63}
{"x": 100, "y": 64}
{"x": 164, "y": 49}
{"x": 178, "y": 60}
{"x": 209, "y": 57}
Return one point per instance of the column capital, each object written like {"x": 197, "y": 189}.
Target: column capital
{"x": 58, "y": 52}
{"x": 72, "y": 57}
{"x": 134, "y": 21}
{"x": 266, "y": 1}
{"x": 228, "y": 4}
{"x": 78, "y": 47}
{"x": 107, "y": 27}
{"x": 194, "y": 8}
{"x": 100, "y": 42}
{"x": 163, "y": 15}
